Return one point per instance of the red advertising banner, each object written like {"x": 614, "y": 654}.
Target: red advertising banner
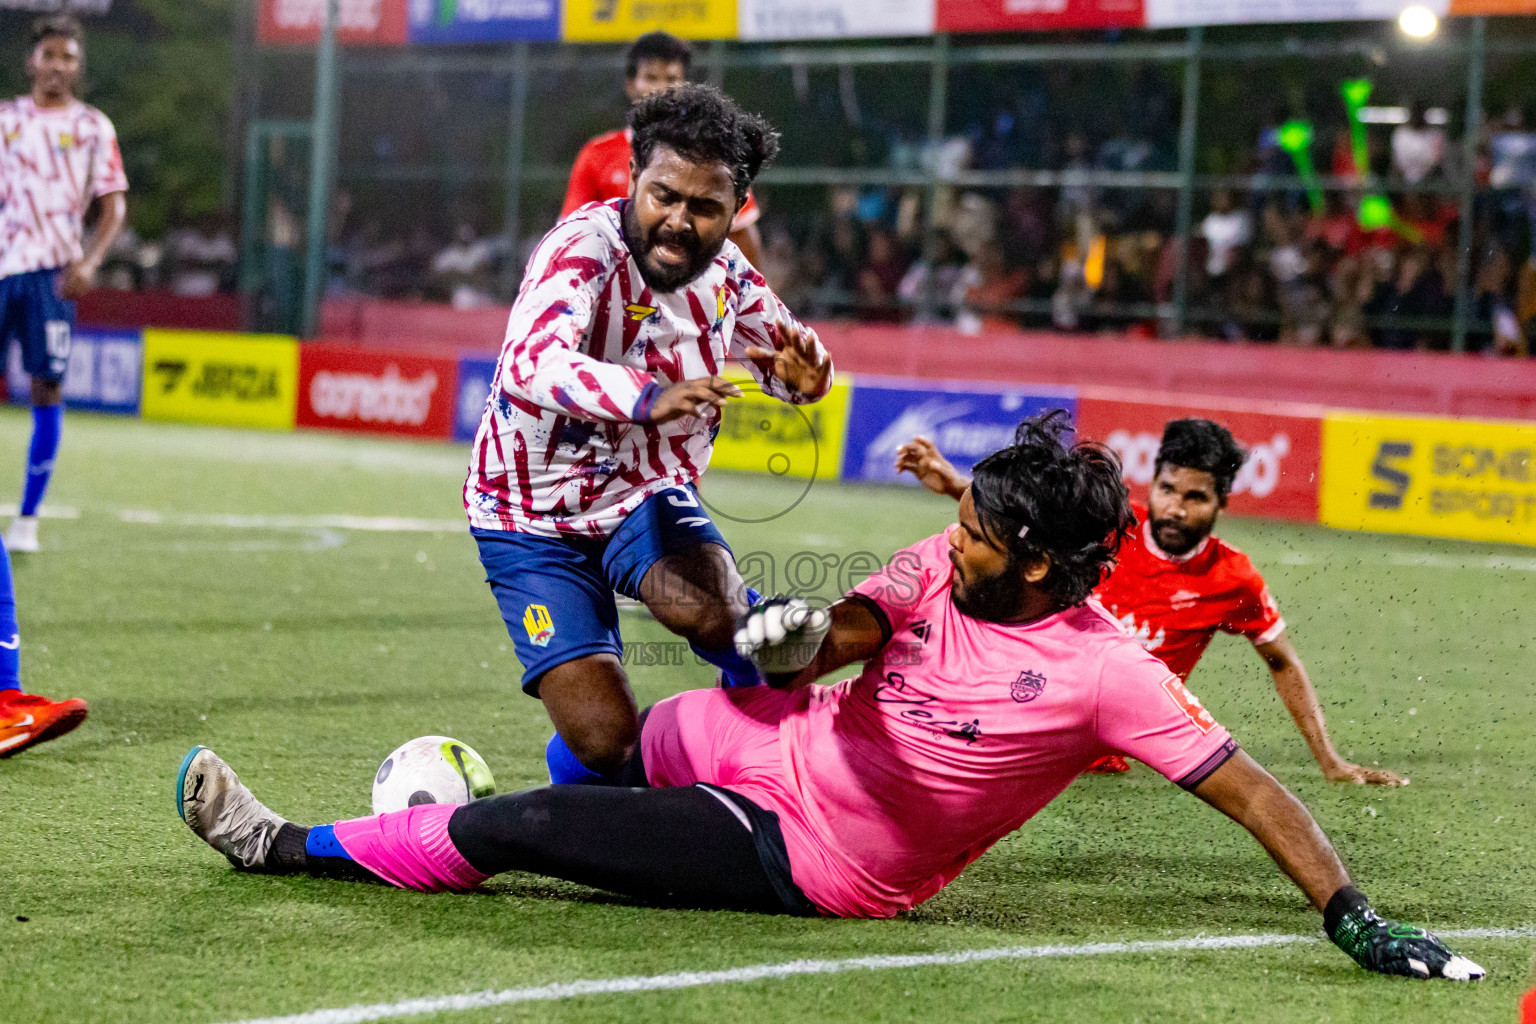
{"x": 1284, "y": 443}
{"x": 360, "y": 389}
{"x": 363, "y": 22}
{"x": 1038, "y": 15}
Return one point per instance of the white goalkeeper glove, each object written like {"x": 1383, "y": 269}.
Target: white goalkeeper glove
{"x": 782, "y": 634}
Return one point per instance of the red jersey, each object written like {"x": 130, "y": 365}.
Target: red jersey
{"x": 602, "y": 173}
{"x": 1174, "y": 604}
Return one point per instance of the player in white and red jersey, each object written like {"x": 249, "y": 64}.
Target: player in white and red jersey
{"x": 57, "y": 157}
{"x": 603, "y": 414}
{"x": 655, "y": 61}
{"x": 1175, "y": 584}
{"x": 990, "y": 681}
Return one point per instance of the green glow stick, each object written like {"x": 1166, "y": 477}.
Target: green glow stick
{"x": 1357, "y": 93}
{"x": 1376, "y": 213}
{"x": 1296, "y": 139}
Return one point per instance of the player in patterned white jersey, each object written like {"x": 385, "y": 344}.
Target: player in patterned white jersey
{"x": 57, "y": 157}
{"x": 602, "y": 416}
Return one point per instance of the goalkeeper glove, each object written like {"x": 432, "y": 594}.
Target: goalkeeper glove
{"x": 782, "y": 634}
{"x": 1388, "y": 947}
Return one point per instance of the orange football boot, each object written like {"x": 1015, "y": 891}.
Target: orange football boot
{"x": 27, "y": 719}
{"x": 1114, "y": 764}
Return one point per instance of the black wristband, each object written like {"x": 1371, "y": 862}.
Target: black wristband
{"x": 1346, "y": 901}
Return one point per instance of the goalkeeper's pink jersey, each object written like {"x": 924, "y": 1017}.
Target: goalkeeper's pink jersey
{"x": 887, "y": 785}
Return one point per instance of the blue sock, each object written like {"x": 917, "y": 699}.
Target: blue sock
{"x": 10, "y": 635}
{"x": 321, "y": 842}
{"x": 564, "y": 769}
{"x": 47, "y": 425}
{"x": 734, "y": 669}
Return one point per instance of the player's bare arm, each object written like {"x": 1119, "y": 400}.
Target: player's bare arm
{"x": 1250, "y": 796}
{"x": 1296, "y": 691}
{"x": 799, "y": 360}
{"x": 81, "y": 277}
{"x": 922, "y": 458}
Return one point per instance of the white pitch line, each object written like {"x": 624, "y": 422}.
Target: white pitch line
{"x": 372, "y": 524}
{"x": 796, "y": 968}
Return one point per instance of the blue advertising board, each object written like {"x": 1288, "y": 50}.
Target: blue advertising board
{"x": 104, "y": 372}
{"x": 483, "y": 21}
{"x": 475, "y": 376}
{"x": 967, "y": 421}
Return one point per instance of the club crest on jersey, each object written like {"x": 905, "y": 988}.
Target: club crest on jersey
{"x": 66, "y": 140}
{"x": 540, "y": 627}
{"x": 1027, "y": 687}
{"x": 12, "y": 136}
{"x": 719, "y": 304}
{"x": 639, "y": 313}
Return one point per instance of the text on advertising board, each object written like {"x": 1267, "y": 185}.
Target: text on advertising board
{"x": 595, "y": 21}
{"x": 244, "y": 380}
{"x": 342, "y": 387}
{"x": 1284, "y": 444}
{"x": 1465, "y": 479}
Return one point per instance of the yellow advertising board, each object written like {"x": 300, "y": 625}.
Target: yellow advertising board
{"x": 1441, "y": 477}
{"x": 238, "y": 380}
{"x": 761, "y": 434}
{"x": 619, "y": 21}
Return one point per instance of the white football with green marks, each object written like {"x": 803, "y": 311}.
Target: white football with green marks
{"x": 430, "y": 770}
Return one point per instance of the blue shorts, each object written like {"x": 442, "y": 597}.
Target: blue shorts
{"x": 556, "y": 594}
{"x": 33, "y": 312}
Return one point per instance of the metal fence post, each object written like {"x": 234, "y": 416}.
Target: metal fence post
{"x": 938, "y": 112}
{"x": 1471, "y": 129}
{"x": 512, "y": 210}
{"x": 322, "y": 154}
{"x": 1185, "y": 217}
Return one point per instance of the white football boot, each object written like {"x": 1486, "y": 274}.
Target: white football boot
{"x": 212, "y": 801}
{"x": 22, "y": 535}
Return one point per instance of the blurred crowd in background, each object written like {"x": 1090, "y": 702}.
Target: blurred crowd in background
{"x": 1266, "y": 261}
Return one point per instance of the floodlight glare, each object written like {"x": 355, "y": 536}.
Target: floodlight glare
{"x": 1418, "y": 22}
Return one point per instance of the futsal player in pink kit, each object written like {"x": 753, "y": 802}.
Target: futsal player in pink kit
{"x": 990, "y": 681}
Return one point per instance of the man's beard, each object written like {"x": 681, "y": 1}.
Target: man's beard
{"x": 991, "y": 598}
{"x": 1187, "y": 537}
{"x": 666, "y": 279}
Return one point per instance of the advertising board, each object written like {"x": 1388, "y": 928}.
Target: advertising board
{"x": 1463, "y": 479}
{"x": 360, "y": 389}
{"x": 238, "y": 380}
{"x": 967, "y": 422}
{"x": 1284, "y": 444}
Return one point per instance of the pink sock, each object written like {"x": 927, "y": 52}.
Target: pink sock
{"x": 410, "y": 848}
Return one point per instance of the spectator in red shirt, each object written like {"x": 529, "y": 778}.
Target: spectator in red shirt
{"x": 1175, "y": 585}
{"x": 656, "y": 61}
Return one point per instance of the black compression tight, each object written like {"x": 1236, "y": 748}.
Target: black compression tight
{"x": 677, "y": 845}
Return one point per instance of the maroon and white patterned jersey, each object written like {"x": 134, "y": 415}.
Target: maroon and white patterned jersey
{"x": 563, "y": 446}
{"x": 53, "y": 164}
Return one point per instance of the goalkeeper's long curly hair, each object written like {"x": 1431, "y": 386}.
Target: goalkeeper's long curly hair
{"x": 1068, "y": 499}
{"x": 704, "y": 125}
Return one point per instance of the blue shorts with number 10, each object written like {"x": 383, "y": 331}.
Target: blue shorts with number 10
{"x": 556, "y": 594}
{"x": 33, "y": 311}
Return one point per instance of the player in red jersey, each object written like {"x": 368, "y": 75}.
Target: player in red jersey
{"x": 1175, "y": 585}
{"x": 656, "y": 61}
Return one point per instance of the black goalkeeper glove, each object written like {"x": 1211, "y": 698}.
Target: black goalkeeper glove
{"x": 1388, "y": 947}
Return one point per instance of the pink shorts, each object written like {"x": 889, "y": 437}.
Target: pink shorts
{"x": 730, "y": 738}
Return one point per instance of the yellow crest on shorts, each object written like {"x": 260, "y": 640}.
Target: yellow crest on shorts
{"x": 540, "y": 627}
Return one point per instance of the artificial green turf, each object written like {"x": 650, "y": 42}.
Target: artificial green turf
{"x": 304, "y": 654}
